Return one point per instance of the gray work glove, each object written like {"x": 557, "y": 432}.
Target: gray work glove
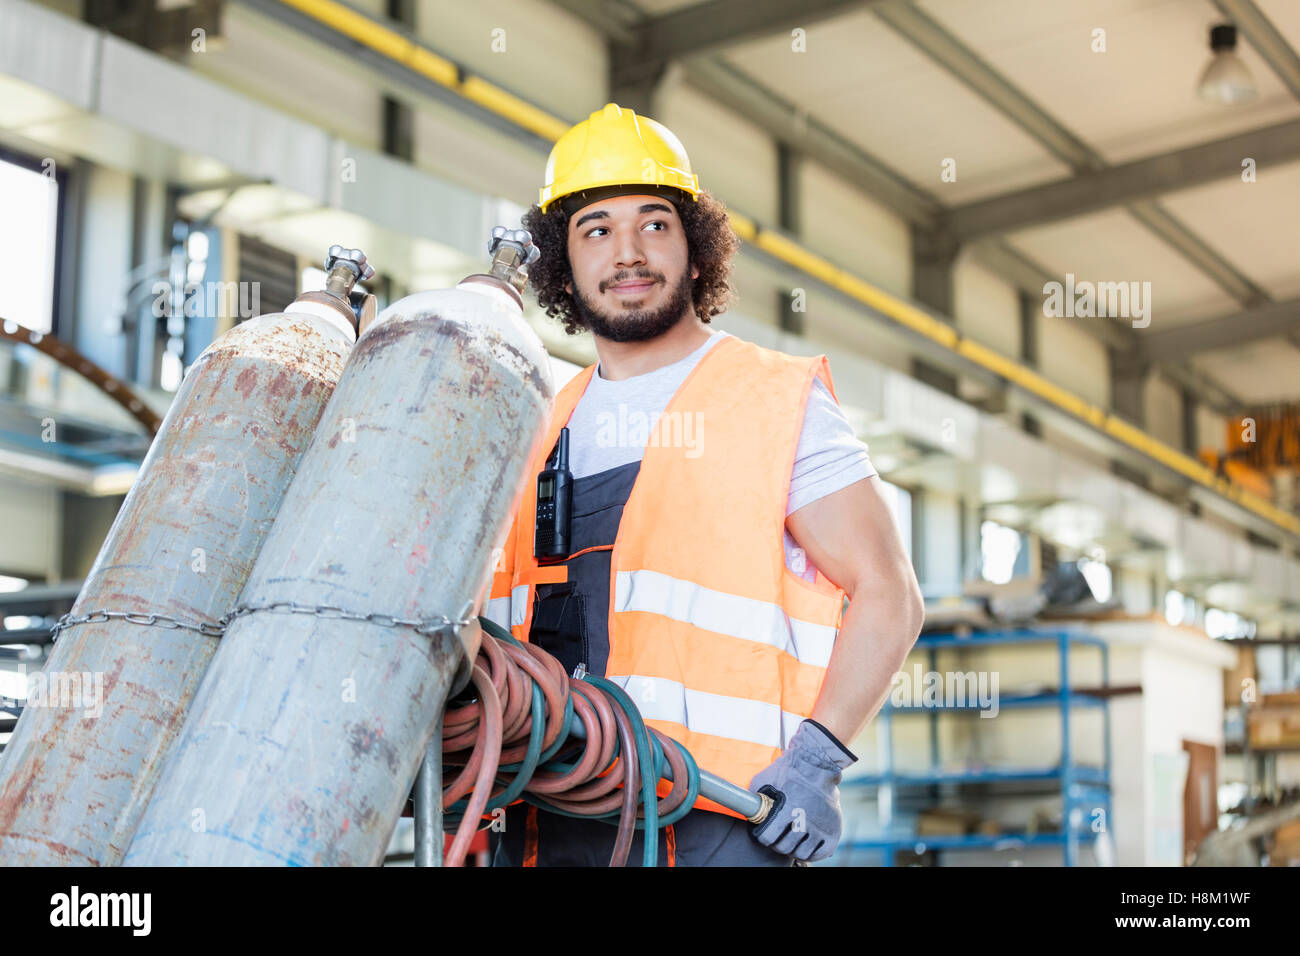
{"x": 805, "y": 819}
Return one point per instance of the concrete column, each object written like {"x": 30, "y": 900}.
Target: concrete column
{"x": 1128, "y": 377}
{"x": 1030, "y": 311}
{"x": 934, "y": 254}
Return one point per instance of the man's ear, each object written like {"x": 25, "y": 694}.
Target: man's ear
{"x": 568, "y": 287}
{"x": 695, "y": 272}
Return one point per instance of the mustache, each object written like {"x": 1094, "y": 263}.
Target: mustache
{"x": 629, "y": 278}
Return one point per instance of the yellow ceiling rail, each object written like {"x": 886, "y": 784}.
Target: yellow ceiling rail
{"x": 419, "y": 59}
{"x": 497, "y": 100}
{"x": 742, "y": 226}
{"x": 377, "y": 37}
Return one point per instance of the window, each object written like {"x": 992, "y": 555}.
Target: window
{"x": 1097, "y": 574}
{"x": 1180, "y": 608}
{"x": 1220, "y": 623}
{"x": 999, "y": 548}
{"x": 900, "y": 503}
{"x": 29, "y": 196}
{"x": 1174, "y": 607}
{"x": 312, "y": 279}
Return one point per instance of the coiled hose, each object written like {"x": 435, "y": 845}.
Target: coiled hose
{"x": 516, "y": 738}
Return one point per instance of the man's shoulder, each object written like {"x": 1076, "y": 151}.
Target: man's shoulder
{"x": 758, "y": 361}
{"x": 764, "y": 357}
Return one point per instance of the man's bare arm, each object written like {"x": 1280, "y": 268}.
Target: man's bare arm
{"x": 851, "y": 537}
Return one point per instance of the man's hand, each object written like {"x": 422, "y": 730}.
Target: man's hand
{"x": 805, "y": 820}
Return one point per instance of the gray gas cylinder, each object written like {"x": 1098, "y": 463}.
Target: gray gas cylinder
{"x": 80, "y": 768}
{"x": 307, "y": 732}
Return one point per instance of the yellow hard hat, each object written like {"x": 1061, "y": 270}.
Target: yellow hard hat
{"x": 614, "y": 147}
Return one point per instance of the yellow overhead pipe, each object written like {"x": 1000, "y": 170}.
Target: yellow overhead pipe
{"x": 377, "y": 37}
{"x": 422, "y": 61}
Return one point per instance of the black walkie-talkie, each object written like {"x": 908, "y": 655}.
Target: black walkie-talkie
{"x": 554, "y": 502}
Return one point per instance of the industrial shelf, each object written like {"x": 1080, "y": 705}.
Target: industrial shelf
{"x": 1044, "y": 699}
{"x": 973, "y": 841}
{"x": 1080, "y": 773}
{"x": 1082, "y": 787}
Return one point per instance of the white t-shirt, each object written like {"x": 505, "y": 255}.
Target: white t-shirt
{"x": 612, "y": 421}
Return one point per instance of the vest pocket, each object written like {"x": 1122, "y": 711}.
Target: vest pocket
{"x": 560, "y": 624}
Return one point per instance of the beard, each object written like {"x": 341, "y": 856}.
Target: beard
{"x": 637, "y": 325}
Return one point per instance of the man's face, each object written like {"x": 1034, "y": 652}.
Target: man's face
{"x": 631, "y": 270}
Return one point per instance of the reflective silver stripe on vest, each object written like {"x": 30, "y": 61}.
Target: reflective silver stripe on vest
{"x": 508, "y": 611}
{"x": 730, "y": 614}
{"x": 703, "y": 713}
{"x": 518, "y": 605}
{"x": 497, "y": 610}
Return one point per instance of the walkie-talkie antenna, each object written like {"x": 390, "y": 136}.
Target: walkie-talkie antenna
{"x": 562, "y": 450}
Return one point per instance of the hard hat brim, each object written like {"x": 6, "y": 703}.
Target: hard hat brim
{"x": 575, "y": 201}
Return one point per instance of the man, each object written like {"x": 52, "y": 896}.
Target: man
{"x": 722, "y": 509}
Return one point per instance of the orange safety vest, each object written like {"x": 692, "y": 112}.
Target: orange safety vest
{"x": 718, "y": 643}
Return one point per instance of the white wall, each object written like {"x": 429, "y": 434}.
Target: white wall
{"x": 1133, "y": 588}
{"x": 271, "y": 62}
{"x": 105, "y": 262}
{"x": 1164, "y": 411}
{"x": 987, "y": 307}
{"x": 1072, "y": 358}
{"x": 448, "y": 144}
{"x": 1210, "y": 429}
{"x": 940, "y": 527}
{"x": 29, "y": 515}
{"x": 857, "y": 234}
{"x": 551, "y": 58}
{"x": 833, "y": 321}
{"x": 1182, "y": 699}
{"x": 733, "y": 158}
{"x": 755, "y": 286}
{"x": 268, "y": 62}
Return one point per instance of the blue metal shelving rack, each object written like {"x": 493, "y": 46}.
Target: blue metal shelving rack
{"x": 1083, "y": 788}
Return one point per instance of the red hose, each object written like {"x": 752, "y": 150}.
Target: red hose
{"x": 494, "y": 729}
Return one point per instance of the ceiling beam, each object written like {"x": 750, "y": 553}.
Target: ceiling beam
{"x": 401, "y": 77}
{"x": 1273, "y": 50}
{"x": 945, "y": 49}
{"x": 616, "y": 22}
{"x": 1207, "y": 391}
{"x": 710, "y": 26}
{"x": 1273, "y": 319}
{"x": 786, "y": 122}
{"x": 1131, "y": 182}
{"x": 950, "y": 53}
{"x": 963, "y": 63}
{"x": 1198, "y": 252}
{"x": 1029, "y": 276}
{"x": 789, "y": 123}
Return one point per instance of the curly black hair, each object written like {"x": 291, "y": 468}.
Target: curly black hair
{"x": 710, "y": 241}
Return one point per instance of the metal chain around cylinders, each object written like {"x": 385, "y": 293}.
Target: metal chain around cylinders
{"x": 426, "y": 627}
{"x": 517, "y": 737}
{"x": 135, "y": 617}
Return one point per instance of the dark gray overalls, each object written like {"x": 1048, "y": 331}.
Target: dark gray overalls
{"x": 571, "y": 621}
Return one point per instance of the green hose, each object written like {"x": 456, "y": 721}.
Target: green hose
{"x": 650, "y": 761}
